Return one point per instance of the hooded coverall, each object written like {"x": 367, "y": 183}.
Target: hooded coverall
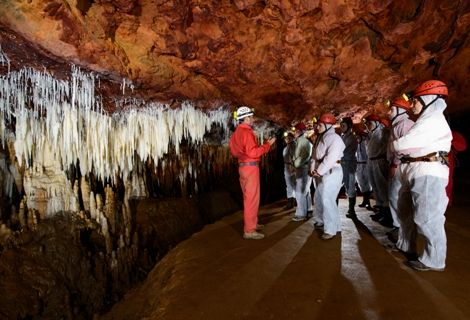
{"x": 423, "y": 184}
{"x": 349, "y": 163}
{"x": 377, "y": 166}
{"x": 326, "y": 157}
{"x": 244, "y": 147}
{"x": 302, "y": 155}
{"x": 362, "y": 175}
{"x": 400, "y": 126}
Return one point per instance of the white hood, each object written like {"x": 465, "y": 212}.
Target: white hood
{"x": 430, "y": 133}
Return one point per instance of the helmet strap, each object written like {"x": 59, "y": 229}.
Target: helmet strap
{"x": 331, "y": 126}
{"x": 398, "y": 114}
{"x": 425, "y": 106}
{"x": 376, "y": 126}
{"x": 326, "y": 129}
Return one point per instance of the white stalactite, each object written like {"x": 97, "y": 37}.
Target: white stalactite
{"x": 63, "y": 122}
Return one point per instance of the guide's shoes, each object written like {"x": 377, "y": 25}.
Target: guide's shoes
{"x": 296, "y": 219}
{"x": 419, "y": 266}
{"x": 253, "y": 235}
{"x": 259, "y": 227}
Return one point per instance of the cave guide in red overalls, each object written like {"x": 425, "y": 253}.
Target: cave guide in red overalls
{"x": 244, "y": 147}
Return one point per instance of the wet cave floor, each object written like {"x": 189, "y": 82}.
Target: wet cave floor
{"x": 293, "y": 274}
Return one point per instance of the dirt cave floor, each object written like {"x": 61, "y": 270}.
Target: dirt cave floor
{"x": 293, "y": 274}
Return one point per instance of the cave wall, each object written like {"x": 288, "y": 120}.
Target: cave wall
{"x": 289, "y": 59}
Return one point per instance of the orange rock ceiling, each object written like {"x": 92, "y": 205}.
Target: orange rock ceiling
{"x": 289, "y": 59}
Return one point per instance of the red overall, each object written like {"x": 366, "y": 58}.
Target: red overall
{"x": 458, "y": 145}
{"x": 244, "y": 147}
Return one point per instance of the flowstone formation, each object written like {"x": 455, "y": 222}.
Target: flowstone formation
{"x": 93, "y": 199}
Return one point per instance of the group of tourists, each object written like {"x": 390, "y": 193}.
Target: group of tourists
{"x": 404, "y": 164}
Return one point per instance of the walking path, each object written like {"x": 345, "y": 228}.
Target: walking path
{"x": 293, "y": 274}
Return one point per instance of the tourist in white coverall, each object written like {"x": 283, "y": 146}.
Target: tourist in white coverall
{"x": 289, "y": 170}
{"x": 328, "y": 175}
{"x": 362, "y": 176}
{"x": 378, "y": 167}
{"x": 302, "y": 155}
{"x": 424, "y": 176}
{"x": 400, "y": 125}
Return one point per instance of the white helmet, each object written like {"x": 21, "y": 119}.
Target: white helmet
{"x": 244, "y": 112}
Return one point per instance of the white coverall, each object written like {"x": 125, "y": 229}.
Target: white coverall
{"x": 400, "y": 126}
{"x": 289, "y": 170}
{"x": 349, "y": 163}
{"x": 377, "y": 165}
{"x": 302, "y": 155}
{"x": 328, "y": 151}
{"x": 423, "y": 184}
{"x": 362, "y": 176}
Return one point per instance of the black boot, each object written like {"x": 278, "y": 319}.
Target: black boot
{"x": 351, "y": 212}
{"x": 366, "y": 200}
{"x": 393, "y": 235}
{"x": 386, "y": 220}
{"x": 379, "y": 214}
{"x": 290, "y": 204}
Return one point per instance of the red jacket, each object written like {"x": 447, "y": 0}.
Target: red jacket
{"x": 243, "y": 145}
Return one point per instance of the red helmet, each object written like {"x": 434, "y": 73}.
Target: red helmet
{"x": 372, "y": 117}
{"x": 385, "y": 122}
{"x": 431, "y": 87}
{"x": 300, "y": 126}
{"x": 327, "y": 118}
{"x": 400, "y": 102}
{"x": 360, "y": 131}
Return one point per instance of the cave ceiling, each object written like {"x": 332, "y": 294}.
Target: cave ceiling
{"x": 289, "y": 59}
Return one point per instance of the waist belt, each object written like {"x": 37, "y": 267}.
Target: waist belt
{"x": 248, "y": 164}
{"x": 440, "y": 156}
{"x": 382, "y": 156}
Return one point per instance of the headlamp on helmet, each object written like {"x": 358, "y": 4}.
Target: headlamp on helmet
{"x": 402, "y": 103}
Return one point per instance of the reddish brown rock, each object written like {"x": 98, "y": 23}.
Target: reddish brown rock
{"x": 288, "y": 59}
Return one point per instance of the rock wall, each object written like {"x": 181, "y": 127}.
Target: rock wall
{"x": 64, "y": 269}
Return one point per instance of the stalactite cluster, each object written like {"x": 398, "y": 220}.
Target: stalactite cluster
{"x": 62, "y": 156}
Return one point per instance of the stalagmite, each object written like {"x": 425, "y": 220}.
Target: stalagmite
{"x": 85, "y": 188}
{"x": 110, "y": 208}
{"x": 75, "y": 205}
{"x": 32, "y": 219}
{"x": 22, "y": 215}
{"x": 93, "y": 213}
{"x": 99, "y": 202}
